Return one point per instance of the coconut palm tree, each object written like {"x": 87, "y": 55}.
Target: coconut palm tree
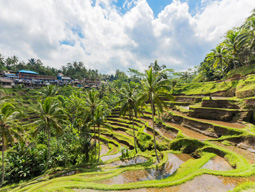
{"x": 85, "y": 136}
{"x": 155, "y": 87}
{"x": 50, "y": 91}
{"x": 220, "y": 57}
{"x": 129, "y": 104}
{"x": 8, "y": 128}
{"x": 92, "y": 101}
{"x": 233, "y": 45}
{"x": 248, "y": 36}
{"x": 74, "y": 106}
{"x": 100, "y": 120}
{"x": 51, "y": 115}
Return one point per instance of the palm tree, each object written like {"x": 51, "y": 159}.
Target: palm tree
{"x": 220, "y": 57}
{"x": 8, "y": 128}
{"x": 50, "y": 91}
{"x": 249, "y": 34}
{"x": 100, "y": 120}
{"x": 92, "y": 101}
{"x": 85, "y": 136}
{"x": 74, "y": 105}
{"x": 130, "y": 104}
{"x": 154, "y": 88}
{"x": 51, "y": 115}
{"x": 233, "y": 44}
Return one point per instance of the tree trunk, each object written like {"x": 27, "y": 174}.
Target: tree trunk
{"x": 48, "y": 128}
{"x": 134, "y": 133}
{"x": 95, "y": 140}
{"x": 2, "y": 182}
{"x": 155, "y": 147}
{"x": 98, "y": 144}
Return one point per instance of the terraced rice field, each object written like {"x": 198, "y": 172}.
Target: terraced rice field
{"x": 191, "y": 159}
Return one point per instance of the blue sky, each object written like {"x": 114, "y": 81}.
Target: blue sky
{"x": 109, "y": 34}
{"x": 158, "y": 5}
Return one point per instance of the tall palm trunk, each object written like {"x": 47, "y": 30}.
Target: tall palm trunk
{"x": 155, "y": 147}
{"x": 95, "y": 142}
{"x": 134, "y": 133}
{"x": 48, "y": 142}
{"x": 98, "y": 143}
{"x": 2, "y": 182}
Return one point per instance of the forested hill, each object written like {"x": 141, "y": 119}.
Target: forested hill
{"x": 236, "y": 50}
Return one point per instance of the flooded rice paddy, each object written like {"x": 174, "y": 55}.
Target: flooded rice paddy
{"x": 189, "y": 132}
{"x": 169, "y": 168}
{"x": 109, "y": 157}
{"x": 133, "y": 161}
{"x": 218, "y": 164}
{"x": 203, "y": 183}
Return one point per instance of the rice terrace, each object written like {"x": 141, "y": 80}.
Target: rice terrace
{"x": 129, "y": 96}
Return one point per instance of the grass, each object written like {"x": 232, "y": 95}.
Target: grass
{"x": 242, "y": 71}
{"x": 247, "y": 186}
{"x": 242, "y": 88}
{"x": 219, "y": 109}
{"x": 205, "y": 87}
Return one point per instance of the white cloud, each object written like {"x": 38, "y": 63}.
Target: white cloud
{"x": 220, "y": 16}
{"x": 129, "y": 3}
{"x": 106, "y": 40}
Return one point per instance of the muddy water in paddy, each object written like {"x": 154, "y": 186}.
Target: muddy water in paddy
{"x": 108, "y": 157}
{"x": 138, "y": 159}
{"x": 189, "y": 132}
{"x": 104, "y": 149}
{"x": 248, "y": 155}
{"x": 170, "y": 167}
{"x": 218, "y": 164}
{"x": 184, "y": 107}
{"x": 161, "y": 131}
{"x": 165, "y": 133}
{"x": 203, "y": 183}
{"x": 185, "y": 131}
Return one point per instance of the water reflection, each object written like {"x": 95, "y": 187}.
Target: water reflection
{"x": 217, "y": 163}
{"x": 168, "y": 169}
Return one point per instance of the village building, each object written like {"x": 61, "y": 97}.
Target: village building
{"x": 92, "y": 83}
{"x": 6, "y": 82}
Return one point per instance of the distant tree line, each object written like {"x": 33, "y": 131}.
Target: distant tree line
{"x": 75, "y": 70}
{"x": 78, "y": 70}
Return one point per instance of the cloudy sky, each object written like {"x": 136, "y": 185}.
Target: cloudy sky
{"x": 117, "y": 34}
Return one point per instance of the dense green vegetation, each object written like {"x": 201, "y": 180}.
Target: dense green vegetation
{"x": 166, "y": 125}
{"x": 235, "y": 51}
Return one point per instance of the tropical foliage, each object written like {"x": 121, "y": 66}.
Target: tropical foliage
{"x": 154, "y": 88}
{"x": 236, "y": 50}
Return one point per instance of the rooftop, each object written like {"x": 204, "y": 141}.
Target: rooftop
{"x": 25, "y": 71}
